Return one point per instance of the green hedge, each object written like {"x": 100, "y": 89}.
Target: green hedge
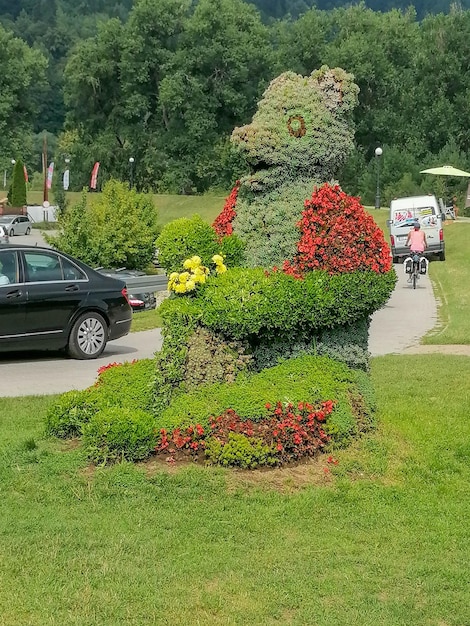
{"x": 130, "y": 385}
{"x": 117, "y": 433}
{"x": 303, "y": 379}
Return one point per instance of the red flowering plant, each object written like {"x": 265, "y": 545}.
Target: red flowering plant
{"x": 338, "y": 235}
{"x": 293, "y": 432}
{"x": 223, "y": 222}
{"x": 189, "y": 439}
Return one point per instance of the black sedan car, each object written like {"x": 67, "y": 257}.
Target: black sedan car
{"x": 139, "y": 301}
{"x": 49, "y": 300}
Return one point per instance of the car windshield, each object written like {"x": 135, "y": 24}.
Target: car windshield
{"x": 5, "y": 220}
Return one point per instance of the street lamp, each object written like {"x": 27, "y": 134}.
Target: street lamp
{"x": 131, "y": 172}
{"x": 378, "y": 154}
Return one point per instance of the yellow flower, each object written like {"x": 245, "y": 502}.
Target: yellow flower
{"x": 187, "y": 264}
{"x": 218, "y": 259}
{"x": 199, "y": 278}
{"x": 184, "y": 277}
{"x": 220, "y": 268}
{"x": 174, "y": 276}
{"x": 190, "y": 285}
{"x": 180, "y": 288}
{"x": 196, "y": 260}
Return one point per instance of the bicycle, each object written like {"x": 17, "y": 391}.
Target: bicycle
{"x": 415, "y": 265}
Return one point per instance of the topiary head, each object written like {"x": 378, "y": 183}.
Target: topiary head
{"x": 303, "y": 127}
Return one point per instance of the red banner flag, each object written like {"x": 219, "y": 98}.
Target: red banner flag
{"x": 25, "y": 173}
{"x": 94, "y": 175}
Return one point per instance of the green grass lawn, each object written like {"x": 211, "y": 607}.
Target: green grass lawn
{"x": 169, "y": 207}
{"x": 382, "y": 539}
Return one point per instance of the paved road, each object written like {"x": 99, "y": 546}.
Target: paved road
{"x": 407, "y": 316}
{"x": 398, "y": 327}
{"x": 37, "y": 373}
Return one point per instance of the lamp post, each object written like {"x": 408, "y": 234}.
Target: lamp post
{"x": 131, "y": 172}
{"x": 378, "y": 154}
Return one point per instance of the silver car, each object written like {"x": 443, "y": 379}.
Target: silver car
{"x": 3, "y": 234}
{"x": 16, "y": 224}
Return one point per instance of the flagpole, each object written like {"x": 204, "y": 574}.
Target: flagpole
{"x": 44, "y": 168}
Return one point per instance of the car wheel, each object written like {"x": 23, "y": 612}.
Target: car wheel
{"x": 88, "y": 337}
{"x": 395, "y": 259}
{"x": 28, "y": 230}
{"x": 442, "y": 256}
{"x": 11, "y": 233}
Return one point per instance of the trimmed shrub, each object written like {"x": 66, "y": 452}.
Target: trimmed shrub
{"x": 183, "y": 238}
{"x": 125, "y": 385}
{"x": 128, "y": 385}
{"x": 67, "y": 415}
{"x": 116, "y": 434}
{"x": 240, "y": 451}
{"x": 303, "y": 379}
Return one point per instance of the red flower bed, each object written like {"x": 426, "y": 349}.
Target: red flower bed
{"x": 293, "y": 432}
{"x": 223, "y": 222}
{"x": 338, "y": 235}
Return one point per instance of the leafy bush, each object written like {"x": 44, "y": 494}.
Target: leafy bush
{"x": 240, "y": 451}
{"x": 126, "y": 385}
{"x": 303, "y": 379}
{"x": 245, "y": 302}
{"x": 67, "y": 415}
{"x": 183, "y": 238}
{"x": 118, "y": 229}
{"x": 115, "y": 434}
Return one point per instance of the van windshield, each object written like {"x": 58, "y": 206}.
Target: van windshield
{"x": 405, "y": 217}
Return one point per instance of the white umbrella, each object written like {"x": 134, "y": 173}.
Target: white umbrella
{"x": 446, "y": 170}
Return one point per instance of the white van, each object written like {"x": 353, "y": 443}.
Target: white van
{"x": 404, "y": 212}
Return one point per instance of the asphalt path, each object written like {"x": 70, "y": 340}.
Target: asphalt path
{"x": 396, "y": 328}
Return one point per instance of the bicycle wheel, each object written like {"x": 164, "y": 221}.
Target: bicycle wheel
{"x": 415, "y": 279}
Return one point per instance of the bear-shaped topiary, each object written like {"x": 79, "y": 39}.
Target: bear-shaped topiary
{"x": 299, "y": 137}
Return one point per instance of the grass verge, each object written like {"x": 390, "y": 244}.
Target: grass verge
{"x": 381, "y": 539}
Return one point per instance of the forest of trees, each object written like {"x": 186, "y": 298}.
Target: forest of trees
{"x": 166, "y": 82}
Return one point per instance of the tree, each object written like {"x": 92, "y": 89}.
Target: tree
{"x": 22, "y": 75}
{"x": 17, "y": 192}
{"x": 118, "y": 229}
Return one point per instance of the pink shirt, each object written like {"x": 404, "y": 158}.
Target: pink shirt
{"x": 417, "y": 241}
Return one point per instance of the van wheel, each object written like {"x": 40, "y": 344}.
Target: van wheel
{"x": 395, "y": 259}
{"x": 442, "y": 256}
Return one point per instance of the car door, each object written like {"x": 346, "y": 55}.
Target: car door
{"x": 12, "y": 299}
{"x": 55, "y": 289}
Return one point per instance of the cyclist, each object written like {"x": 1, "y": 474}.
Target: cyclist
{"x": 416, "y": 240}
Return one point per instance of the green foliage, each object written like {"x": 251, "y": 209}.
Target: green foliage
{"x": 232, "y": 249}
{"x": 240, "y": 451}
{"x": 244, "y": 302}
{"x": 126, "y": 385}
{"x": 211, "y": 358}
{"x": 116, "y": 434}
{"x": 118, "y": 229}
{"x": 17, "y": 192}
{"x": 183, "y": 238}
{"x": 348, "y": 344}
{"x": 179, "y": 318}
{"x": 303, "y": 379}
{"x": 67, "y": 415}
